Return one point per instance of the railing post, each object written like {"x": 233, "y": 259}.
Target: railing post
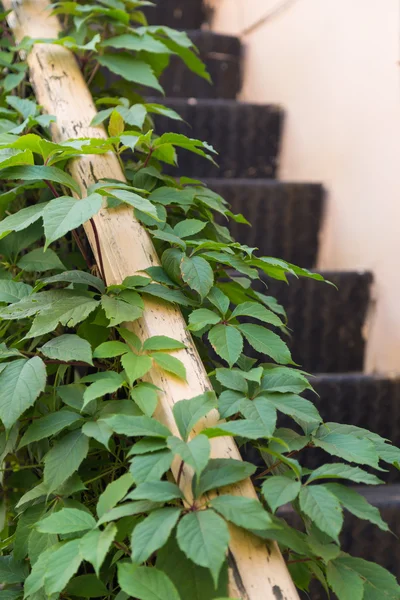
{"x": 256, "y": 568}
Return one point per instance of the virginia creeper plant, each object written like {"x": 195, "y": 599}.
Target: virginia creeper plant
{"x": 88, "y": 505}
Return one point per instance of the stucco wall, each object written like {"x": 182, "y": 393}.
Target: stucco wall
{"x": 333, "y": 65}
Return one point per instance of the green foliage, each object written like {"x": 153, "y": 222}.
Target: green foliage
{"x": 89, "y": 508}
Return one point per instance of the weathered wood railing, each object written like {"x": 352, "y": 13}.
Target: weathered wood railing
{"x": 257, "y": 569}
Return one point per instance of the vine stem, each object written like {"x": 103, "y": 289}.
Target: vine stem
{"x": 93, "y": 73}
{"x": 180, "y": 472}
{"x": 98, "y": 248}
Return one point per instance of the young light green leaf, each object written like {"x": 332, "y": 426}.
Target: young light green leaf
{"x": 110, "y": 350}
{"x": 113, "y": 493}
{"x": 64, "y": 459}
{"x": 323, "y": 508}
{"x": 195, "y": 453}
{"x": 68, "y": 347}
{"x": 135, "y": 366}
{"x": 65, "y": 214}
{"x": 49, "y": 425}
{"x": 188, "y": 412}
{"x": 267, "y": 342}
{"x": 170, "y": 363}
{"x": 244, "y": 512}
{"x": 162, "y": 342}
{"x": 21, "y": 382}
{"x": 146, "y": 397}
{"x": 204, "y": 536}
{"x": 145, "y": 583}
{"x": 67, "y": 520}
{"x": 221, "y": 472}
{"x": 39, "y": 260}
{"x": 227, "y": 342}
{"x": 198, "y": 274}
{"x": 279, "y": 490}
{"x": 152, "y": 533}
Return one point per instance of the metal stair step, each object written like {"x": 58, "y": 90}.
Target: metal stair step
{"x": 247, "y": 137}
{"x": 222, "y": 55}
{"x": 179, "y": 14}
{"x": 285, "y": 217}
{"x": 326, "y": 323}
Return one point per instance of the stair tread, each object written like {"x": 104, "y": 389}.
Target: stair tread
{"x": 233, "y": 129}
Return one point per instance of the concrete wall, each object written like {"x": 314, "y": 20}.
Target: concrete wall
{"x": 333, "y": 65}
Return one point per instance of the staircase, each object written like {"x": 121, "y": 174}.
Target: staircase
{"x": 327, "y": 324}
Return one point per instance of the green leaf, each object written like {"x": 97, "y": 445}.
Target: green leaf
{"x": 68, "y": 310}
{"x": 284, "y": 380}
{"x": 152, "y": 533}
{"x": 195, "y": 453}
{"x": 227, "y": 342}
{"x": 86, "y": 586}
{"x": 147, "y": 445}
{"x": 67, "y": 520}
{"x": 101, "y": 388}
{"x": 40, "y": 173}
{"x": 130, "y": 41}
{"x": 279, "y": 490}
{"x": 98, "y": 430}
{"x": 266, "y": 342}
{"x": 323, "y": 508}
{"x": 9, "y": 352}
{"x": 67, "y": 348}
{"x": 357, "y": 504}
{"x": 21, "y": 219}
{"x": 21, "y": 382}
{"x": 137, "y": 426}
{"x": 251, "y": 430}
{"x": 349, "y": 447}
{"x": 379, "y": 583}
{"x": 345, "y": 583}
{"x": 13, "y": 291}
{"x": 145, "y": 583}
{"x": 234, "y": 379}
{"x": 261, "y": 411}
{"x": 294, "y": 406}
{"x": 12, "y": 571}
{"x": 189, "y": 227}
{"x": 156, "y": 491}
{"x": 189, "y": 412}
{"x": 110, "y": 350}
{"x": 230, "y": 403}
{"x": 342, "y": 471}
{"x": 64, "y": 459}
{"x": 221, "y": 472}
{"x": 244, "y": 512}
{"x": 174, "y": 296}
{"x": 23, "y": 530}
{"x": 219, "y": 300}
{"x": 64, "y": 214}
{"x": 201, "y": 318}
{"x": 135, "y": 366}
{"x": 113, "y": 493}
{"x": 64, "y": 563}
{"x": 131, "y": 69}
{"x": 198, "y": 274}
{"x": 118, "y": 311}
{"x": 128, "y": 509}
{"x": 49, "y": 425}
{"x": 204, "y": 537}
{"x": 39, "y": 260}
{"x": 78, "y": 277}
{"x": 138, "y": 202}
{"x": 35, "y": 580}
{"x": 151, "y": 467}
{"x": 256, "y": 311}
{"x": 162, "y": 342}
{"x": 171, "y": 364}
{"x": 146, "y": 397}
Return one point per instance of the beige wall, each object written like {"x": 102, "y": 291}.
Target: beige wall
{"x": 333, "y": 65}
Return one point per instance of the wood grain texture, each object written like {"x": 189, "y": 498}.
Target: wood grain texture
{"x": 257, "y": 569}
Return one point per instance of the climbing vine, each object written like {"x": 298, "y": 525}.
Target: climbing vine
{"x": 88, "y": 504}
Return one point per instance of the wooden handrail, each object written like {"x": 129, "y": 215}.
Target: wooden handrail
{"x": 257, "y": 570}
